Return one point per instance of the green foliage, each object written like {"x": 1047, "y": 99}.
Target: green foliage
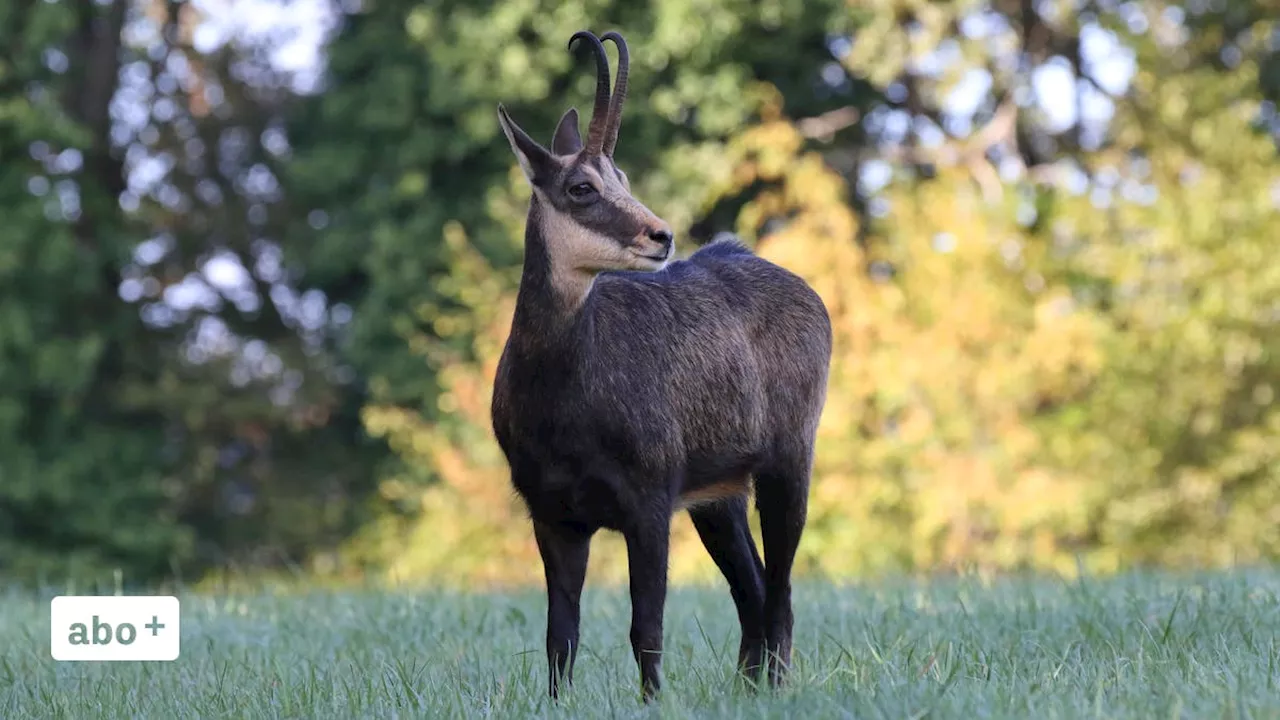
{"x": 122, "y": 450}
{"x": 81, "y": 477}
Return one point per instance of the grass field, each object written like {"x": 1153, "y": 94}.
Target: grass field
{"x": 1151, "y": 646}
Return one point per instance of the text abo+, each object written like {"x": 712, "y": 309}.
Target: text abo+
{"x": 113, "y": 628}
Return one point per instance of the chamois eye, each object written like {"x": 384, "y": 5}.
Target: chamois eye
{"x": 581, "y": 190}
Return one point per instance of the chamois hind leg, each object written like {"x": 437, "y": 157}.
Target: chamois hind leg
{"x": 722, "y": 526}
{"x": 782, "y": 495}
{"x": 564, "y": 558}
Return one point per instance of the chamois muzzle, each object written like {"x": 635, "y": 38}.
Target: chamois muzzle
{"x": 656, "y": 243}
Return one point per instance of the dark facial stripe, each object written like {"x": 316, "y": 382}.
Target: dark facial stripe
{"x": 615, "y": 213}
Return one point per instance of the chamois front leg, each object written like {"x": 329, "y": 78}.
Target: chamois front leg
{"x": 647, "y": 547}
{"x": 564, "y": 558}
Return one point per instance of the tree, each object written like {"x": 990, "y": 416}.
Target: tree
{"x": 1048, "y": 349}
{"x": 81, "y": 469}
{"x": 1070, "y": 353}
{"x": 165, "y": 409}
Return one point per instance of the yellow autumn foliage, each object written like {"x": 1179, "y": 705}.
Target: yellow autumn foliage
{"x": 982, "y": 412}
{"x": 946, "y": 358}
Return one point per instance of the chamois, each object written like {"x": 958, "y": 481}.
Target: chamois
{"x": 633, "y": 386}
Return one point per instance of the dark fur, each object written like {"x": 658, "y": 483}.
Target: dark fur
{"x": 686, "y": 382}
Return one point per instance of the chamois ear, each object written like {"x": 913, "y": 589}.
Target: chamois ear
{"x": 567, "y": 140}
{"x": 535, "y": 160}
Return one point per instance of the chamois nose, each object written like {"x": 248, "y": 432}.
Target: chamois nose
{"x": 661, "y": 235}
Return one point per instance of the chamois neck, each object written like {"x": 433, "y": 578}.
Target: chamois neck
{"x": 550, "y": 298}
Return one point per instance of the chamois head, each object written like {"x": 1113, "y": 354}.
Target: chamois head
{"x": 582, "y": 202}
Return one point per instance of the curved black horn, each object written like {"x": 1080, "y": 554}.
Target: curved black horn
{"x": 619, "y": 93}
{"x": 596, "y": 129}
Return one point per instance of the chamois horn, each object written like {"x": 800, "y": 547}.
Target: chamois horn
{"x": 619, "y": 93}
{"x": 596, "y": 129}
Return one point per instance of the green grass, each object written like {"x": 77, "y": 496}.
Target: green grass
{"x": 1139, "y": 646}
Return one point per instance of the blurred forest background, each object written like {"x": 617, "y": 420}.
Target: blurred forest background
{"x": 258, "y": 258}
